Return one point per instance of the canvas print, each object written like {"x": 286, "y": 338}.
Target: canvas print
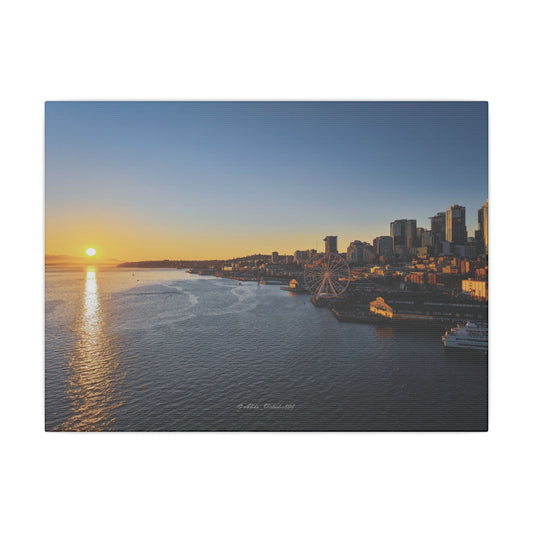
{"x": 266, "y": 266}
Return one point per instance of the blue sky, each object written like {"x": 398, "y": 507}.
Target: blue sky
{"x": 184, "y": 176}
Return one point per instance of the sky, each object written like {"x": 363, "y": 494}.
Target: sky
{"x": 216, "y": 180}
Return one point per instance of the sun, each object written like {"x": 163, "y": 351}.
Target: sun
{"x": 90, "y": 252}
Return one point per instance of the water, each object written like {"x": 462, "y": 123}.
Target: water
{"x": 162, "y": 350}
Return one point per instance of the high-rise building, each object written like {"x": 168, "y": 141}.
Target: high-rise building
{"x": 301, "y": 256}
{"x": 483, "y": 225}
{"x": 352, "y": 251}
{"x": 456, "y": 224}
{"x": 403, "y": 233}
{"x": 397, "y": 233}
{"x": 331, "y": 244}
{"x": 425, "y": 238}
{"x": 275, "y": 257}
{"x": 419, "y": 236}
{"x": 360, "y": 252}
{"x": 354, "y": 254}
{"x": 438, "y": 231}
{"x": 410, "y": 233}
{"x": 383, "y": 246}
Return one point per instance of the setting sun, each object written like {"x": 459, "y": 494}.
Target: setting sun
{"x": 90, "y": 252}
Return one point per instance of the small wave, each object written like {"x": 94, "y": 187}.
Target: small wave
{"x": 246, "y": 301}
{"x": 193, "y": 299}
{"x": 135, "y": 293}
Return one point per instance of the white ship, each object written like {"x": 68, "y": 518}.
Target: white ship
{"x": 470, "y": 336}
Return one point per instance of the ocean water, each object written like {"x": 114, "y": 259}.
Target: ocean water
{"x": 162, "y": 350}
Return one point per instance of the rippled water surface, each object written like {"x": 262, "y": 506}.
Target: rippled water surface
{"x": 162, "y": 350}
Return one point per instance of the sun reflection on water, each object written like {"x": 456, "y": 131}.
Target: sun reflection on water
{"x": 92, "y": 386}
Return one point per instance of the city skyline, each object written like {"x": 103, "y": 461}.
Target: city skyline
{"x": 206, "y": 180}
{"x": 482, "y": 225}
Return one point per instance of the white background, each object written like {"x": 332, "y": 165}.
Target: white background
{"x": 265, "y": 50}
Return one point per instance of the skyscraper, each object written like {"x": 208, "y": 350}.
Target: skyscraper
{"x": 397, "y": 233}
{"x": 410, "y": 233}
{"x": 331, "y": 244}
{"x": 456, "y": 224}
{"x": 438, "y": 230}
{"x": 426, "y": 238}
{"x": 486, "y": 225}
{"x": 403, "y": 233}
{"x": 419, "y": 232}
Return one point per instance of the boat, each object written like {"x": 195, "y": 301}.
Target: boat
{"x": 470, "y": 336}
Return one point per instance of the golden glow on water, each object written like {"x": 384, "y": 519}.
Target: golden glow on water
{"x": 385, "y": 332}
{"x": 92, "y": 384}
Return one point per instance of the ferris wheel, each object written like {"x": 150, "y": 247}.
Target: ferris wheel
{"x": 327, "y": 276}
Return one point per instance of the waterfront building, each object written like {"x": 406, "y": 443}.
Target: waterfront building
{"x": 456, "y": 224}
{"x": 383, "y": 246}
{"x": 478, "y": 289}
{"x": 424, "y": 309}
{"x": 331, "y": 244}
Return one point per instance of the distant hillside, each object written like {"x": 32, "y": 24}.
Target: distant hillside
{"x": 167, "y": 263}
